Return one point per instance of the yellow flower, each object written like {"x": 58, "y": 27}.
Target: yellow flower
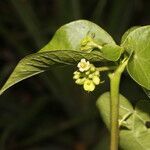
{"x": 83, "y": 65}
{"x": 89, "y": 85}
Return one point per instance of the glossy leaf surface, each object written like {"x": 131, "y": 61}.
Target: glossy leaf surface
{"x": 128, "y": 32}
{"x": 111, "y": 52}
{"x": 138, "y": 43}
{"x": 63, "y": 49}
{"x": 69, "y": 36}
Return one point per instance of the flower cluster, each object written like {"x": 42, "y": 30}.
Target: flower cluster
{"x": 88, "y": 44}
{"x": 87, "y": 75}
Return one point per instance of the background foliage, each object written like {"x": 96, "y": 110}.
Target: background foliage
{"x": 49, "y": 111}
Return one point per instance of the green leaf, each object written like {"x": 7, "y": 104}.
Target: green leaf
{"x": 143, "y": 110}
{"x": 63, "y": 49}
{"x": 128, "y": 32}
{"x": 69, "y": 36}
{"x": 103, "y": 104}
{"x": 111, "y": 52}
{"x": 138, "y": 141}
{"x": 134, "y": 135}
{"x": 138, "y": 43}
{"x": 39, "y": 62}
{"x": 137, "y": 138}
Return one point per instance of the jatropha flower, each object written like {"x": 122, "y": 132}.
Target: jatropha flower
{"x": 87, "y": 75}
{"x": 83, "y": 65}
{"x": 89, "y": 85}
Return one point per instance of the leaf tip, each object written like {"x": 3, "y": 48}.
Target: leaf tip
{"x": 1, "y": 91}
{"x": 4, "y": 88}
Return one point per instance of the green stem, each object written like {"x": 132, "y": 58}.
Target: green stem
{"x": 106, "y": 68}
{"x": 114, "y": 104}
{"x": 95, "y": 45}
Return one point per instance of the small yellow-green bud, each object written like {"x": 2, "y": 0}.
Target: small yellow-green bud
{"x": 87, "y": 44}
{"x": 76, "y": 73}
{"x": 76, "y": 76}
{"x": 96, "y": 73}
{"x": 96, "y": 80}
{"x": 89, "y": 85}
{"x": 86, "y": 40}
{"x": 92, "y": 69}
{"x": 80, "y": 81}
{"x": 90, "y": 76}
{"x": 87, "y": 72}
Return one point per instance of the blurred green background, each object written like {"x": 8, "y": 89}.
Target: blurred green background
{"x": 48, "y": 111}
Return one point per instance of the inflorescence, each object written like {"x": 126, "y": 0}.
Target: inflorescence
{"x": 87, "y": 75}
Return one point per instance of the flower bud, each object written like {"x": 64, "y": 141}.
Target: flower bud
{"x": 86, "y": 40}
{"x": 87, "y": 44}
{"x": 92, "y": 69}
{"x": 76, "y": 73}
{"x": 87, "y": 72}
{"x": 90, "y": 76}
{"x": 76, "y": 76}
{"x": 96, "y": 73}
{"x": 80, "y": 81}
{"x": 96, "y": 80}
